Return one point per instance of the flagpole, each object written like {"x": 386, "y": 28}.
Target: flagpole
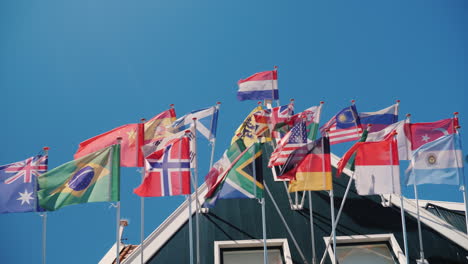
{"x": 273, "y": 91}
{"x": 421, "y": 248}
{"x": 189, "y": 200}
{"x": 345, "y": 195}
{"x": 312, "y": 235}
{"x": 213, "y": 143}
{"x": 142, "y": 208}
{"x": 117, "y": 216}
{"x": 402, "y": 211}
{"x": 197, "y": 207}
{"x": 44, "y": 220}
{"x": 265, "y": 248}
{"x": 462, "y": 187}
{"x": 332, "y": 211}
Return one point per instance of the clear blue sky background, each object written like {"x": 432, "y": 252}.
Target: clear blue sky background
{"x": 70, "y": 70}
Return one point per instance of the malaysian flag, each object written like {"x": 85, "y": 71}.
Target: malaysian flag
{"x": 294, "y": 139}
{"x": 344, "y": 126}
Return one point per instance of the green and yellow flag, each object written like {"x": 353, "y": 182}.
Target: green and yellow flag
{"x": 92, "y": 178}
{"x": 250, "y": 131}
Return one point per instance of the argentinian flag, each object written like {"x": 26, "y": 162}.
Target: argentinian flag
{"x": 437, "y": 162}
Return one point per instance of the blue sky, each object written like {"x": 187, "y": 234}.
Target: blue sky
{"x": 70, "y": 70}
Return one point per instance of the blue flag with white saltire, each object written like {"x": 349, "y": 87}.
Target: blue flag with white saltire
{"x": 437, "y": 162}
{"x": 207, "y": 121}
{"x": 18, "y": 185}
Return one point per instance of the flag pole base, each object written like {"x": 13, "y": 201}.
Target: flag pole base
{"x": 422, "y": 261}
{"x": 204, "y": 210}
{"x": 296, "y": 207}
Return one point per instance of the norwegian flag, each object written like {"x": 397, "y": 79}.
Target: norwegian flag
{"x": 167, "y": 170}
{"x": 344, "y": 126}
{"x": 294, "y": 139}
{"x": 26, "y": 169}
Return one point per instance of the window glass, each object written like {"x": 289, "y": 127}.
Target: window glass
{"x": 251, "y": 256}
{"x": 365, "y": 254}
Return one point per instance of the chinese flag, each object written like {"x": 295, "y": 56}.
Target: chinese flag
{"x": 132, "y": 140}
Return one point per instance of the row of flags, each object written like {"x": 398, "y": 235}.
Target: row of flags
{"x": 276, "y": 139}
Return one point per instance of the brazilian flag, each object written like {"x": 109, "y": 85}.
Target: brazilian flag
{"x": 92, "y": 178}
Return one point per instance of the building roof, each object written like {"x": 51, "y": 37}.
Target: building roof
{"x": 160, "y": 236}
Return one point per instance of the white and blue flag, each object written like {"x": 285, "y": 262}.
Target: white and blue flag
{"x": 207, "y": 121}
{"x": 437, "y": 162}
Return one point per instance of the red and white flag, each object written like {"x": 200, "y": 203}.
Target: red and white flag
{"x": 422, "y": 133}
{"x": 377, "y": 168}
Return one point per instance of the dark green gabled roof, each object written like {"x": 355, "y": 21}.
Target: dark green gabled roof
{"x": 453, "y": 217}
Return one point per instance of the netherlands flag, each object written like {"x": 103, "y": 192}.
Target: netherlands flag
{"x": 260, "y": 86}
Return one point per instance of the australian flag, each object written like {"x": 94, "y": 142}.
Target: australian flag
{"x": 18, "y": 185}
{"x": 167, "y": 170}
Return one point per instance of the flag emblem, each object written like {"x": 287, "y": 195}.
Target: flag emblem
{"x": 431, "y": 159}
{"x": 81, "y": 179}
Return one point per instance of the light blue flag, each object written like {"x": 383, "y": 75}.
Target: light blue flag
{"x": 207, "y": 121}
{"x": 437, "y": 162}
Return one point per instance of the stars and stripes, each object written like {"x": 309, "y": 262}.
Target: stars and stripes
{"x": 294, "y": 139}
{"x": 26, "y": 169}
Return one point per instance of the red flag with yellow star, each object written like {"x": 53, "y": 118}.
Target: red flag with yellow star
{"x": 132, "y": 139}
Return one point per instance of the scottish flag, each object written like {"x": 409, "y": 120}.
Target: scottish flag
{"x": 207, "y": 121}
{"x": 437, "y": 162}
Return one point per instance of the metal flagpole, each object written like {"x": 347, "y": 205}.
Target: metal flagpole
{"x": 213, "y": 143}
{"x": 421, "y": 248}
{"x": 285, "y": 224}
{"x": 338, "y": 216}
{"x": 142, "y": 208}
{"x": 44, "y": 219}
{"x": 117, "y": 216}
{"x": 312, "y": 235}
{"x": 189, "y": 200}
{"x": 402, "y": 211}
{"x": 265, "y": 249}
{"x": 332, "y": 211}
{"x": 197, "y": 205}
{"x": 275, "y": 68}
{"x": 463, "y": 186}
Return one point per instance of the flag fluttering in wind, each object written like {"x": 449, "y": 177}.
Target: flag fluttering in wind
{"x": 249, "y": 131}
{"x": 244, "y": 179}
{"x": 18, "y": 185}
{"x": 92, "y": 178}
{"x": 423, "y": 133}
{"x": 216, "y": 174}
{"x": 310, "y": 170}
{"x": 437, "y": 162}
{"x": 260, "y": 86}
{"x": 376, "y": 166}
{"x": 167, "y": 170}
{"x": 379, "y": 119}
{"x": 132, "y": 139}
{"x": 402, "y": 139}
{"x": 207, "y": 121}
{"x": 295, "y": 139}
{"x": 157, "y": 127}
{"x": 344, "y": 126}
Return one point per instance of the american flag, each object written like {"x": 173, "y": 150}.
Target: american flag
{"x": 294, "y": 139}
{"x": 344, "y": 126}
{"x": 26, "y": 169}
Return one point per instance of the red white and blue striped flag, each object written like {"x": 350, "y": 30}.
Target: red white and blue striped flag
{"x": 260, "y": 86}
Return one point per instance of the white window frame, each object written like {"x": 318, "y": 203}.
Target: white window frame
{"x": 390, "y": 238}
{"x": 253, "y": 243}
